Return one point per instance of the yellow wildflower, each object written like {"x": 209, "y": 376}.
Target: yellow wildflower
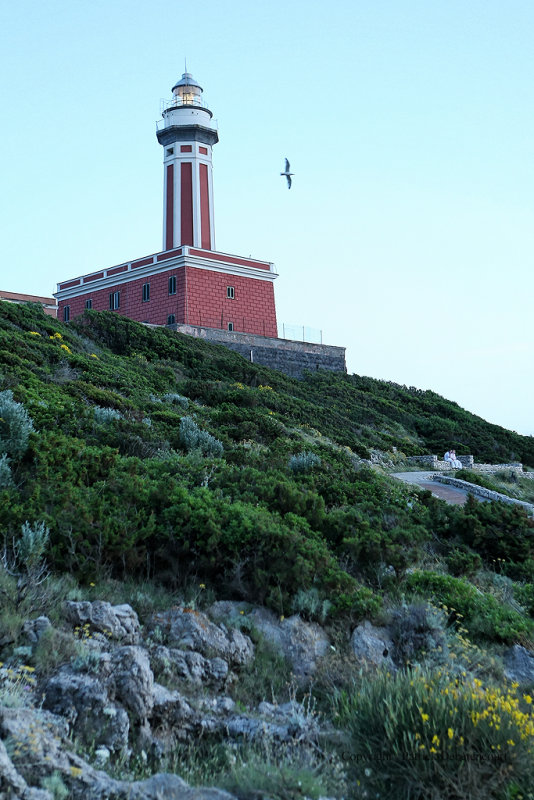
{"x": 450, "y": 733}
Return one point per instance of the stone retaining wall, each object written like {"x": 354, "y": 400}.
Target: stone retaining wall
{"x": 285, "y": 355}
{"x": 467, "y": 462}
{"x": 480, "y": 491}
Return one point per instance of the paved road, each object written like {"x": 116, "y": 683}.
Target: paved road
{"x": 451, "y": 494}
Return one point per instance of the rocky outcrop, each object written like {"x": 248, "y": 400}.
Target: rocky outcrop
{"x": 84, "y": 703}
{"x": 519, "y": 665}
{"x": 107, "y": 699}
{"x": 189, "y": 665}
{"x": 302, "y": 643}
{"x": 44, "y": 749}
{"x": 132, "y": 682}
{"x": 372, "y": 646}
{"x": 187, "y": 629}
{"x": 119, "y": 623}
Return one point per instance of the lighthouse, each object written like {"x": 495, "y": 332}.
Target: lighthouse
{"x": 187, "y": 134}
{"x": 188, "y": 283}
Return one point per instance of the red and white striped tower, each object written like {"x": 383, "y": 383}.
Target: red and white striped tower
{"x": 187, "y": 135}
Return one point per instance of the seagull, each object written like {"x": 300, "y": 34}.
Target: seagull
{"x": 288, "y": 174}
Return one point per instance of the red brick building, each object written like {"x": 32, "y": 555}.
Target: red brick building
{"x": 48, "y": 303}
{"x": 188, "y": 282}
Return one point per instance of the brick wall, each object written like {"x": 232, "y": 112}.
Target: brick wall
{"x": 200, "y": 299}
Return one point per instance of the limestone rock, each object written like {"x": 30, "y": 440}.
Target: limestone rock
{"x": 171, "y": 787}
{"x": 192, "y": 630}
{"x": 519, "y": 665}
{"x": 85, "y": 703}
{"x": 45, "y": 749}
{"x": 189, "y": 665}
{"x": 117, "y": 622}
{"x": 373, "y": 645}
{"x": 12, "y": 785}
{"x": 132, "y": 681}
{"x": 302, "y": 643}
{"x": 33, "y": 629}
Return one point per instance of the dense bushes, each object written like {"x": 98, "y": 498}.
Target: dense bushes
{"x": 481, "y": 614}
{"x": 431, "y": 734}
{"x": 272, "y": 503}
{"x": 15, "y": 426}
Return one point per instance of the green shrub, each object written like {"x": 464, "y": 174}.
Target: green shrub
{"x": 31, "y": 546}
{"x": 481, "y": 614}
{"x": 497, "y": 531}
{"x": 175, "y": 399}
{"x": 308, "y": 603}
{"x": 524, "y": 594}
{"x": 15, "y": 426}
{"x": 418, "y": 632}
{"x": 304, "y": 462}
{"x": 6, "y": 478}
{"x": 55, "y": 785}
{"x": 56, "y": 648}
{"x": 105, "y": 415}
{"x": 463, "y": 561}
{"x": 424, "y": 734}
{"x": 266, "y": 769}
{"x": 192, "y": 438}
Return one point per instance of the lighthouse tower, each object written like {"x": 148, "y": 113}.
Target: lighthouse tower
{"x": 187, "y": 135}
{"x": 188, "y": 283}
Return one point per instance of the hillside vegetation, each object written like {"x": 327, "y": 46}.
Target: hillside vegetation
{"x": 149, "y": 455}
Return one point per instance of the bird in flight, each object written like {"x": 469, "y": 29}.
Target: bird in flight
{"x": 288, "y": 174}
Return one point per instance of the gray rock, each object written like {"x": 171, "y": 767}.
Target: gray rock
{"x": 45, "y": 749}
{"x": 189, "y": 666}
{"x": 84, "y": 702}
{"x": 33, "y": 629}
{"x": 171, "y": 787}
{"x": 192, "y": 630}
{"x": 373, "y": 645}
{"x": 12, "y": 785}
{"x": 197, "y": 669}
{"x": 302, "y": 643}
{"x": 171, "y": 710}
{"x": 519, "y": 665}
{"x": 117, "y": 622}
{"x": 132, "y": 681}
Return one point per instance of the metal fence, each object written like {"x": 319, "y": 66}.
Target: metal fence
{"x": 301, "y": 333}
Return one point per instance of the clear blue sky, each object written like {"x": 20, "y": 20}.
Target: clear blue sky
{"x": 408, "y": 233}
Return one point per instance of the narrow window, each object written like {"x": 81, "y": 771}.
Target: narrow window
{"x": 146, "y": 292}
{"x": 170, "y": 151}
{"x": 172, "y": 284}
{"x": 89, "y": 303}
{"x": 66, "y": 313}
{"x": 171, "y": 319}
{"x": 230, "y": 292}
{"x": 230, "y": 326}
{"x": 114, "y": 300}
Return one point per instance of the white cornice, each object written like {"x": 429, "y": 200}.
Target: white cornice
{"x": 177, "y": 262}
